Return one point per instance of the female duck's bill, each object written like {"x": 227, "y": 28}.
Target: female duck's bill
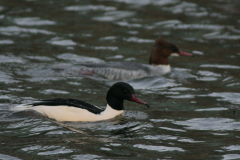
{"x": 62, "y": 109}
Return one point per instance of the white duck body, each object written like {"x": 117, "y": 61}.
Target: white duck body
{"x": 68, "y": 113}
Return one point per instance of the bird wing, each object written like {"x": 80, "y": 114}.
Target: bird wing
{"x": 70, "y": 103}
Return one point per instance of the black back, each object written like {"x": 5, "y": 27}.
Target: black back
{"x": 71, "y": 103}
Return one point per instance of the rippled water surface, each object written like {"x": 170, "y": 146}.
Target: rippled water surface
{"x": 194, "y": 110}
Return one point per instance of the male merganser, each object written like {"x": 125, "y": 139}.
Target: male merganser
{"x": 158, "y": 61}
{"x": 62, "y": 109}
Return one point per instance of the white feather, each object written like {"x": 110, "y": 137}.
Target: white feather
{"x": 67, "y": 113}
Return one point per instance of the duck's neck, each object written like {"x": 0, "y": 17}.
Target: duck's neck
{"x": 109, "y": 113}
{"x": 114, "y": 103}
{"x": 158, "y": 60}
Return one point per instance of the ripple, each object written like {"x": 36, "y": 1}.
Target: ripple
{"x": 187, "y": 8}
{"x": 6, "y": 42}
{"x": 170, "y": 137}
{"x": 40, "y": 58}
{"x": 5, "y": 78}
{"x": 164, "y": 2}
{"x": 1, "y": 8}
{"x": 220, "y": 66}
{"x": 231, "y": 156}
{"x": 11, "y": 59}
{"x": 224, "y": 36}
{"x": 32, "y": 21}
{"x": 14, "y": 30}
{"x": 148, "y": 2}
{"x": 130, "y": 25}
{"x": 212, "y": 109}
{"x": 78, "y": 58}
{"x": 158, "y": 148}
{"x": 182, "y": 89}
{"x": 183, "y": 96}
{"x": 90, "y": 7}
{"x": 4, "y": 97}
{"x": 161, "y": 120}
{"x": 115, "y": 57}
{"x": 113, "y": 48}
{"x": 162, "y": 137}
{"x": 208, "y": 76}
{"x": 197, "y": 52}
{"x": 91, "y": 91}
{"x": 130, "y": 126}
{"x": 199, "y": 26}
{"x": 166, "y": 24}
{"x": 105, "y": 149}
{"x": 86, "y": 156}
{"x": 108, "y": 38}
{"x": 138, "y": 40}
{"x": 62, "y": 150}
{"x": 189, "y": 140}
{"x": 39, "y": 148}
{"x": 232, "y": 148}
{"x": 172, "y": 129}
{"x": 50, "y": 91}
{"x": 7, "y": 157}
{"x": 31, "y": 148}
{"x": 212, "y": 124}
{"x": 227, "y": 96}
{"x": 136, "y": 114}
{"x": 208, "y": 73}
{"x": 61, "y": 42}
{"x": 114, "y": 15}
{"x": 139, "y": 2}
{"x": 152, "y": 83}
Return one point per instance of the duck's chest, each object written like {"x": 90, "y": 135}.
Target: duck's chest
{"x": 66, "y": 113}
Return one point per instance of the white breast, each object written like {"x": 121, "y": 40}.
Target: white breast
{"x": 160, "y": 70}
{"x": 66, "y": 113}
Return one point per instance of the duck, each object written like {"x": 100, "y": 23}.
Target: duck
{"x": 158, "y": 64}
{"x": 64, "y": 109}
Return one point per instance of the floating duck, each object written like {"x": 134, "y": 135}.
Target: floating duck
{"x": 61, "y": 109}
{"x": 158, "y": 64}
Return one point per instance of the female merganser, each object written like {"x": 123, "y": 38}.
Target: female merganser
{"x": 126, "y": 70}
{"x": 62, "y": 109}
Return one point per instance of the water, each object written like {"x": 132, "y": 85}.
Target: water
{"x": 193, "y": 110}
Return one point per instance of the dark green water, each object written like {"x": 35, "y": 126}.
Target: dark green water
{"x": 193, "y": 110}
